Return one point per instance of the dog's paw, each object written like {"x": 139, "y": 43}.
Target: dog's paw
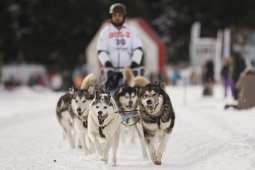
{"x": 104, "y": 159}
{"x": 157, "y": 162}
{"x": 156, "y": 159}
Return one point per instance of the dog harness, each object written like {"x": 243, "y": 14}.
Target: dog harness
{"x": 84, "y": 120}
{"x": 155, "y": 119}
{"x": 125, "y": 117}
{"x": 100, "y": 128}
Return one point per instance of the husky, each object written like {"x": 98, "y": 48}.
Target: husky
{"x": 104, "y": 126}
{"x": 72, "y": 112}
{"x": 158, "y": 119}
{"x": 80, "y": 102}
{"x": 80, "y": 105}
{"x": 65, "y": 117}
{"x": 126, "y": 98}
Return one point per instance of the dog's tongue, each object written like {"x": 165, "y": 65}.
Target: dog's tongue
{"x": 151, "y": 108}
{"x": 103, "y": 117}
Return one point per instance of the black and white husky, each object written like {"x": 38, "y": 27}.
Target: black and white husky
{"x": 126, "y": 98}
{"x": 81, "y": 99}
{"x": 104, "y": 125}
{"x": 65, "y": 117}
{"x": 72, "y": 112}
{"x": 80, "y": 105}
{"x": 158, "y": 119}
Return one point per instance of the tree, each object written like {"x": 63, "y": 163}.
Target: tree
{"x": 174, "y": 21}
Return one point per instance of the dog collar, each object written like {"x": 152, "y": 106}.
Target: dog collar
{"x": 85, "y": 123}
{"x": 101, "y": 127}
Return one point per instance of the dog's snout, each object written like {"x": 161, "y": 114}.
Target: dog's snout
{"x": 130, "y": 103}
{"x": 148, "y": 102}
{"x": 78, "y": 109}
{"x": 99, "y": 112}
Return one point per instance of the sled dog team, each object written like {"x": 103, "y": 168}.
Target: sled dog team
{"x": 95, "y": 120}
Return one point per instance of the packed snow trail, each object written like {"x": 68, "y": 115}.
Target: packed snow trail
{"x": 204, "y": 137}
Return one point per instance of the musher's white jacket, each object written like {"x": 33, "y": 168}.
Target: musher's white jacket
{"x": 119, "y": 46}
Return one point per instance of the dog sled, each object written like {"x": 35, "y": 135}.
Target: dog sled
{"x": 111, "y": 77}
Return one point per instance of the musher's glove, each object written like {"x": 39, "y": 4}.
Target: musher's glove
{"x": 108, "y": 64}
{"x": 134, "y": 64}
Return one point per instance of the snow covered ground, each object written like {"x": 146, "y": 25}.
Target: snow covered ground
{"x": 205, "y": 136}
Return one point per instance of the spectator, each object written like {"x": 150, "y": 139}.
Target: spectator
{"x": 245, "y": 85}
{"x": 208, "y": 78}
{"x": 239, "y": 66}
{"x": 194, "y": 78}
{"x": 175, "y": 77}
{"x": 226, "y": 74}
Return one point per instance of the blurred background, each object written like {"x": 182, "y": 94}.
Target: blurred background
{"x": 44, "y": 42}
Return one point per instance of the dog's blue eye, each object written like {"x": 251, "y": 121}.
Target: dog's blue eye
{"x": 83, "y": 101}
{"x": 105, "y": 107}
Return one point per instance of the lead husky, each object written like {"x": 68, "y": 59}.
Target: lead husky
{"x": 126, "y": 98}
{"x": 104, "y": 126}
{"x": 158, "y": 118}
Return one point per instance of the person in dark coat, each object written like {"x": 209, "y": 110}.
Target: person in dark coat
{"x": 226, "y": 75}
{"x": 239, "y": 67}
{"x": 208, "y": 78}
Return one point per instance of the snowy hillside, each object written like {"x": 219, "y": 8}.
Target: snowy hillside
{"x": 205, "y": 136}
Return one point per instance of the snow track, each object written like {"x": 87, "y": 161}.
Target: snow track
{"x": 204, "y": 137}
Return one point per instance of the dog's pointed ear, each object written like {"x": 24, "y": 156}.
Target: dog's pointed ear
{"x": 70, "y": 90}
{"x": 97, "y": 94}
{"x": 162, "y": 85}
{"x": 109, "y": 93}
